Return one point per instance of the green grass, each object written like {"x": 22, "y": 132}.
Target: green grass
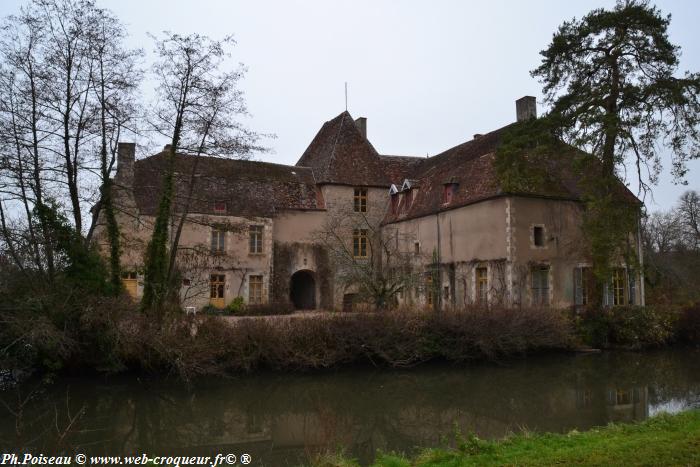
{"x": 661, "y": 440}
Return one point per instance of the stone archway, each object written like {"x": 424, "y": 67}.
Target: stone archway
{"x": 302, "y": 290}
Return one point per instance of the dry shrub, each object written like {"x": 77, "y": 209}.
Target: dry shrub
{"x": 208, "y": 345}
{"x": 112, "y": 335}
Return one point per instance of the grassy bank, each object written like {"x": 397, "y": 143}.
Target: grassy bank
{"x": 662, "y": 440}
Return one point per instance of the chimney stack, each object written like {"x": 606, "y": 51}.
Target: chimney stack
{"x": 361, "y": 124}
{"x": 526, "y": 108}
{"x": 126, "y": 155}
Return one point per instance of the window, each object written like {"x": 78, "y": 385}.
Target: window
{"x": 623, "y": 397}
{"x": 416, "y": 248}
{"x": 217, "y": 284}
{"x": 218, "y": 241}
{"x": 448, "y": 192}
{"x": 446, "y": 292}
{"x": 256, "y": 239}
{"x": 617, "y": 289}
{"x": 220, "y": 206}
{"x": 130, "y": 283}
{"x": 582, "y": 283}
{"x": 538, "y": 235}
{"x": 482, "y": 285}
{"x": 631, "y": 276}
{"x": 408, "y": 199}
{"x": 584, "y": 397}
{"x": 359, "y": 243}
{"x": 429, "y": 290}
{"x": 540, "y": 285}
{"x": 360, "y": 200}
{"x": 255, "y": 290}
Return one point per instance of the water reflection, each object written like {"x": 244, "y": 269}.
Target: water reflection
{"x": 282, "y": 419}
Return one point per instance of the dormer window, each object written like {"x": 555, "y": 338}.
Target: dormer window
{"x": 408, "y": 199}
{"x": 394, "y": 203}
{"x": 448, "y": 192}
{"x": 220, "y": 207}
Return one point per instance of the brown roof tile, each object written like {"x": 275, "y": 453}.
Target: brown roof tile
{"x": 339, "y": 154}
{"x": 471, "y": 166}
{"x": 398, "y": 168}
{"x": 248, "y": 188}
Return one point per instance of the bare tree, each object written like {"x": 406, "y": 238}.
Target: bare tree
{"x": 115, "y": 77}
{"x": 22, "y": 121}
{"x": 66, "y": 88}
{"x": 689, "y": 216}
{"x": 672, "y": 252}
{"x": 373, "y": 261}
{"x": 197, "y": 108}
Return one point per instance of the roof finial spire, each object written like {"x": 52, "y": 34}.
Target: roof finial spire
{"x": 346, "y": 96}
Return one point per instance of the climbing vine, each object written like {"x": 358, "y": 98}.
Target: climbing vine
{"x": 533, "y": 160}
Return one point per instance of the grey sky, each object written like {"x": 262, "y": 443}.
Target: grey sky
{"x": 427, "y": 75}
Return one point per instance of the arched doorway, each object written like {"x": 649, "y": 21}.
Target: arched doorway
{"x": 302, "y": 290}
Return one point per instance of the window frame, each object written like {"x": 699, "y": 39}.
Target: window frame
{"x": 540, "y": 295}
{"x": 220, "y": 206}
{"x": 217, "y": 286}
{"x": 255, "y": 289}
{"x": 360, "y": 244}
{"x": 481, "y": 277}
{"x": 255, "y": 239}
{"x": 542, "y": 237}
{"x": 429, "y": 290}
{"x": 217, "y": 241}
{"x": 359, "y": 200}
{"x": 582, "y": 285}
{"x": 448, "y": 192}
{"x": 618, "y": 291}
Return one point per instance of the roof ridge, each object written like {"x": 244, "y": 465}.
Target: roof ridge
{"x": 335, "y": 141}
{"x": 228, "y": 159}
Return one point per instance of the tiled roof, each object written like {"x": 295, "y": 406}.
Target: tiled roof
{"x": 248, "y": 188}
{"x": 340, "y": 154}
{"x": 398, "y": 168}
{"x": 470, "y": 165}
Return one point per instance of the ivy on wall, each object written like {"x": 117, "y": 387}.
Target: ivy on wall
{"x": 533, "y": 160}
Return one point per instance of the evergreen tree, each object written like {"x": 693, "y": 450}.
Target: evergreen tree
{"x": 612, "y": 81}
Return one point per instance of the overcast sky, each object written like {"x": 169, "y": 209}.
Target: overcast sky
{"x": 427, "y": 75}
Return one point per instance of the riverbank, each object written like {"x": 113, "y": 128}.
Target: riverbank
{"x": 661, "y": 440}
{"x": 112, "y": 335}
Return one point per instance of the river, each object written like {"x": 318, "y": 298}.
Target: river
{"x": 282, "y": 418}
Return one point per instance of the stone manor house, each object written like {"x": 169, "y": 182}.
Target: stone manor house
{"x": 252, "y": 228}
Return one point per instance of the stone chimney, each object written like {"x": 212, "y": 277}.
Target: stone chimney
{"x": 526, "y": 108}
{"x": 361, "y": 124}
{"x": 126, "y": 155}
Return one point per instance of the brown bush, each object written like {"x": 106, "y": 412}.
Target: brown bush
{"x": 208, "y": 345}
{"x": 112, "y": 335}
